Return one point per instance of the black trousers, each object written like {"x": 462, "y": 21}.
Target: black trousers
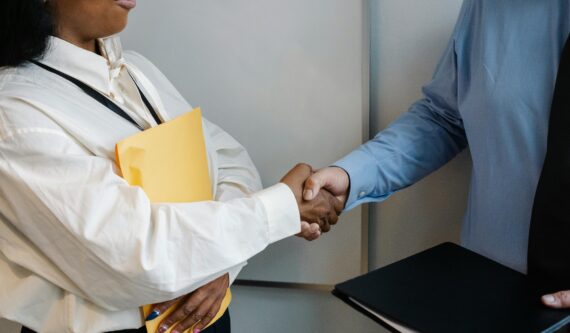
{"x": 223, "y": 325}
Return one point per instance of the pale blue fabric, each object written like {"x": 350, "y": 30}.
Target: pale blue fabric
{"x": 492, "y": 90}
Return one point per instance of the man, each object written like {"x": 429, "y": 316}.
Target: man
{"x": 492, "y": 90}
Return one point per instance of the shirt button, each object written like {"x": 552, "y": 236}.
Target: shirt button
{"x": 361, "y": 194}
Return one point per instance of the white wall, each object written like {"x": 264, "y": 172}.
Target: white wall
{"x": 275, "y": 310}
{"x": 407, "y": 39}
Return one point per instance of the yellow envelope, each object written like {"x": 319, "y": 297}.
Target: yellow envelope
{"x": 169, "y": 162}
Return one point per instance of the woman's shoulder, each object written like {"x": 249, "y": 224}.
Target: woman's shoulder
{"x": 14, "y": 76}
{"x": 24, "y": 84}
{"x": 23, "y": 92}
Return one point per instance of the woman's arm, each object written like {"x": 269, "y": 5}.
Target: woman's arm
{"x": 118, "y": 248}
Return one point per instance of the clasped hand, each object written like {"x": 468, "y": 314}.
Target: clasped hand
{"x": 320, "y": 212}
{"x": 195, "y": 310}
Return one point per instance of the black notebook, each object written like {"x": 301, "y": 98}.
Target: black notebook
{"x": 451, "y": 289}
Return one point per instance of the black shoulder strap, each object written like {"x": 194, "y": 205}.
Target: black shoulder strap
{"x": 101, "y": 98}
{"x": 147, "y": 103}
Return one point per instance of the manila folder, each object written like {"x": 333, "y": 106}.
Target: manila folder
{"x": 169, "y": 162}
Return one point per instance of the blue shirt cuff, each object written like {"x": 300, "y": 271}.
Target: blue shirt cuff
{"x": 360, "y": 168}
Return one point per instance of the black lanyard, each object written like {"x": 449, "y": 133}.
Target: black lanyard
{"x": 101, "y": 98}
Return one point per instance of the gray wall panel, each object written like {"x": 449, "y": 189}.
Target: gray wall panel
{"x": 407, "y": 39}
{"x": 269, "y": 310}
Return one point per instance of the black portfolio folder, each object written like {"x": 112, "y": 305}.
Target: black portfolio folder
{"x": 451, "y": 289}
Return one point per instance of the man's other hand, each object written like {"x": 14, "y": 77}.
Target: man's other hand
{"x": 559, "y": 300}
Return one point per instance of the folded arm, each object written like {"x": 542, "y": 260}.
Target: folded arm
{"x": 105, "y": 236}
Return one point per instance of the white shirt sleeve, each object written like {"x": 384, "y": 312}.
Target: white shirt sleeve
{"x": 119, "y": 249}
{"x": 236, "y": 175}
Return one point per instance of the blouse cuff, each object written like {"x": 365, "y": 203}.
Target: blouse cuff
{"x": 283, "y": 215}
{"x": 359, "y": 167}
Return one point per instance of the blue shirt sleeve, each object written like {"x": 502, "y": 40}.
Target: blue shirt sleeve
{"x": 420, "y": 141}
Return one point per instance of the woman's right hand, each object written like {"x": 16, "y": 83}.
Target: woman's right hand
{"x": 197, "y": 308}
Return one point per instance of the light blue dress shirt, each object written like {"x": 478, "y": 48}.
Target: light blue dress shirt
{"x": 492, "y": 91}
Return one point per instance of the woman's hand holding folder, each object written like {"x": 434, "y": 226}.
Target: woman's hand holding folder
{"x": 197, "y": 308}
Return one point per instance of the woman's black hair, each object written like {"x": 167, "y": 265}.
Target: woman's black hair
{"x": 25, "y": 27}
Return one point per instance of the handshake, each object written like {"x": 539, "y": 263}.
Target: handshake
{"x": 320, "y": 195}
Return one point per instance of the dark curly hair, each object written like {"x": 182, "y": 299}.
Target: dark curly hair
{"x": 25, "y": 27}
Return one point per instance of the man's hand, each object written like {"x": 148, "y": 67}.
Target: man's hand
{"x": 559, "y": 300}
{"x": 323, "y": 209}
{"x": 309, "y": 231}
{"x": 333, "y": 179}
{"x": 197, "y": 308}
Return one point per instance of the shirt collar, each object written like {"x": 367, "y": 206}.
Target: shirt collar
{"x": 95, "y": 70}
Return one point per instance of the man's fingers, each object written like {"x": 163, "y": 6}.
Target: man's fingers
{"x": 325, "y": 225}
{"x": 333, "y": 179}
{"x": 305, "y": 229}
{"x": 333, "y": 218}
{"x": 309, "y": 231}
{"x": 314, "y": 228}
{"x": 313, "y": 185}
{"x": 314, "y": 232}
{"x": 559, "y": 300}
{"x": 338, "y": 206}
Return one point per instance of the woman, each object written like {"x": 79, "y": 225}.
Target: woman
{"x": 81, "y": 250}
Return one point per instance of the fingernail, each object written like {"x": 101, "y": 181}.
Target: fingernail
{"x": 196, "y": 330}
{"x": 308, "y": 194}
{"x": 162, "y": 328}
{"x": 153, "y": 315}
{"x": 174, "y": 331}
{"x": 549, "y": 299}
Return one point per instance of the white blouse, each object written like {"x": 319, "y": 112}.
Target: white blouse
{"x": 80, "y": 249}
